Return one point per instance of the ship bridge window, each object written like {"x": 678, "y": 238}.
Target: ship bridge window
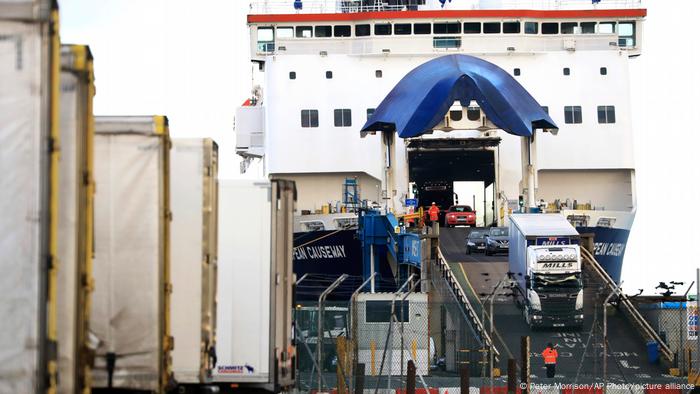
{"x": 472, "y": 27}
{"x": 492, "y": 27}
{"x": 292, "y": 75}
{"x": 266, "y": 39}
{"x": 422, "y": 28}
{"x": 569, "y": 27}
{"x": 304, "y": 32}
{"x": 285, "y": 32}
{"x": 456, "y": 115}
{"x": 516, "y": 72}
{"x": 370, "y": 112}
{"x": 550, "y": 28}
{"x": 588, "y": 27}
{"x": 402, "y": 29}
{"x": 378, "y": 73}
{"x": 603, "y": 71}
{"x": 531, "y": 27}
{"x": 322, "y": 31}
{"x": 447, "y": 28}
{"x": 382, "y": 29}
{"x": 626, "y": 33}
{"x": 342, "y": 117}
{"x": 329, "y": 74}
{"x": 567, "y": 71}
{"x": 309, "y": 118}
{"x": 572, "y": 114}
{"x": 606, "y": 114}
{"x": 362, "y": 30}
{"x": 606, "y": 27}
{"x": 341, "y": 31}
{"x": 511, "y": 27}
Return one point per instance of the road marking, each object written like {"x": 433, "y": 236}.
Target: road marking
{"x": 470, "y": 285}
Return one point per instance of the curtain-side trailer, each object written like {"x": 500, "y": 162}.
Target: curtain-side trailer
{"x": 130, "y": 302}
{"x": 75, "y": 231}
{"x": 193, "y": 197}
{"x": 29, "y": 137}
{"x": 255, "y": 282}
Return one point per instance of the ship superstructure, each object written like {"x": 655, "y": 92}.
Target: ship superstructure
{"x": 323, "y": 66}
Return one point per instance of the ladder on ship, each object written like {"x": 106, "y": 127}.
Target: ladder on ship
{"x": 626, "y": 306}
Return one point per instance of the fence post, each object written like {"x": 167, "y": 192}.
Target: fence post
{"x": 411, "y": 378}
{"x": 464, "y": 379}
{"x": 360, "y": 379}
{"x": 512, "y": 376}
{"x": 525, "y": 370}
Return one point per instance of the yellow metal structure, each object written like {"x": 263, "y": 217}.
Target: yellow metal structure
{"x": 166, "y": 379}
{"x": 54, "y": 132}
{"x": 82, "y": 67}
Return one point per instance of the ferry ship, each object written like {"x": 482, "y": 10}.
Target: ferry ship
{"x": 323, "y": 67}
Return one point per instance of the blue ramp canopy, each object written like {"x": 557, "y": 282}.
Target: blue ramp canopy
{"x": 420, "y": 100}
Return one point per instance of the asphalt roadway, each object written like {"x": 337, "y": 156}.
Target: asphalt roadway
{"x": 580, "y": 352}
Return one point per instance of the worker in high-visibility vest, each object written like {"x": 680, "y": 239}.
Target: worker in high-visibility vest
{"x": 434, "y": 213}
{"x": 550, "y": 359}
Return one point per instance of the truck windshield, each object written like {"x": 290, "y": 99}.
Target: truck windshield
{"x": 543, "y": 281}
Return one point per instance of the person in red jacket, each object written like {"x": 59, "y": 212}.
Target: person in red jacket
{"x": 550, "y": 359}
{"x": 434, "y": 213}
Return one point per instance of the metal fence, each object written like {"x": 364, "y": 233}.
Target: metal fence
{"x": 670, "y": 320}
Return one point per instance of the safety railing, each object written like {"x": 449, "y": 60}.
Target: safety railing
{"x": 461, "y": 296}
{"x": 633, "y": 314}
{"x": 356, "y": 6}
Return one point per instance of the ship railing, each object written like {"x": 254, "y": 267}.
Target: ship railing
{"x": 560, "y": 4}
{"x": 471, "y": 313}
{"x": 357, "y": 6}
{"x": 644, "y": 328}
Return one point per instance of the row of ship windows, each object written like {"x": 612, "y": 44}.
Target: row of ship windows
{"x": 516, "y": 71}
{"x": 625, "y": 30}
{"x": 343, "y": 117}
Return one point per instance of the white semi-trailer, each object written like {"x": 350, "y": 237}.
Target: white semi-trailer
{"x": 545, "y": 260}
{"x": 193, "y": 259}
{"x": 130, "y": 316}
{"x": 75, "y": 230}
{"x": 29, "y": 143}
{"x": 255, "y": 282}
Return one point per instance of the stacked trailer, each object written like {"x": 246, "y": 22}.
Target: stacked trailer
{"x": 255, "y": 282}
{"x": 29, "y": 136}
{"x": 194, "y": 190}
{"x": 75, "y": 235}
{"x": 130, "y": 303}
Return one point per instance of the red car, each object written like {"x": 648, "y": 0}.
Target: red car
{"x": 460, "y": 215}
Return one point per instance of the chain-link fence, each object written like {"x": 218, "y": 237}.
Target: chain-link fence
{"x": 670, "y": 321}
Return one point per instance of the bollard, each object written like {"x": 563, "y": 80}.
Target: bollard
{"x": 360, "y": 379}
{"x": 464, "y": 378}
{"x": 411, "y": 378}
{"x": 512, "y": 376}
{"x": 525, "y": 358}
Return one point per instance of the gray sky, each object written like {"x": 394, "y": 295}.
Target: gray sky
{"x": 190, "y": 61}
